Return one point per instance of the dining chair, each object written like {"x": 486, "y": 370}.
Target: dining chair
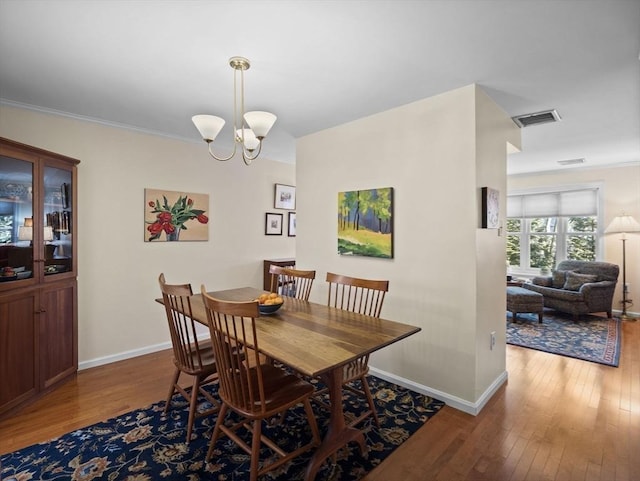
{"x": 253, "y": 390}
{"x": 191, "y": 356}
{"x": 363, "y": 296}
{"x": 291, "y": 282}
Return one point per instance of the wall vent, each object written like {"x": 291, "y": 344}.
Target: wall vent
{"x": 571, "y": 161}
{"x": 535, "y": 119}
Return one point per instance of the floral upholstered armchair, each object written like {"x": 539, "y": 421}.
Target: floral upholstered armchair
{"x": 578, "y": 287}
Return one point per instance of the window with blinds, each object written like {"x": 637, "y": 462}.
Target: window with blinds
{"x": 548, "y": 227}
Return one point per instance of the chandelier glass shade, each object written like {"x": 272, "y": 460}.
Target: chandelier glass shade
{"x": 249, "y": 128}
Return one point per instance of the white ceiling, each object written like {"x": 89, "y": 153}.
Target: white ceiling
{"x": 151, "y": 65}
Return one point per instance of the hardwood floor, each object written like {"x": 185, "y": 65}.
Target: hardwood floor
{"x": 556, "y": 419}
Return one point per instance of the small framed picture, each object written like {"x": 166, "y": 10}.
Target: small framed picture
{"x": 490, "y": 208}
{"x": 273, "y": 224}
{"x": 285, "y": 197}
{"x": 292, "y": 224}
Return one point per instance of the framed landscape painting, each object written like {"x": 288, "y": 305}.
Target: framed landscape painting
{"x": 365, "y": 223}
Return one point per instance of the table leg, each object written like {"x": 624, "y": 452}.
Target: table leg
{"x": 338, "y": 434}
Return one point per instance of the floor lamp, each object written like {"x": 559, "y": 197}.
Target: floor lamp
{"x": 623, "y": 224}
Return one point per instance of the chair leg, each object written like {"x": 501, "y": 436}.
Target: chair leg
{"x": 172, "y": 389}
{"x": 255, "y": 449}
{"x": 216, "y": 431}
{"x": 193, "y": 404}
{"x": 372, "y": 406}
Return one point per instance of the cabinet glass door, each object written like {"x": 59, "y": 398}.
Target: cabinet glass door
{"x": 16, "y": 219}
{"x": 57, "y": 225}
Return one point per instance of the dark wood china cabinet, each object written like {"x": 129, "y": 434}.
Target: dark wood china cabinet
{"x": 38, "y": 270}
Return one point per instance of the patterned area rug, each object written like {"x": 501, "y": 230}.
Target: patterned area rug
{"x": 592, "y": 338}
{"x": 146, "y": 445}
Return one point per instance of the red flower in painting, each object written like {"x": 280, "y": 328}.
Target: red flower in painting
{"x": 155, "y": 228}
{"x": 171, "y": 219}
{"x": 164, "y": 217}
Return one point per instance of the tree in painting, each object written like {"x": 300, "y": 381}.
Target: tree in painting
{"x": 365, "y": 222}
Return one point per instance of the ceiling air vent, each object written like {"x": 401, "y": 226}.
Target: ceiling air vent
{"x": 571, "y": 161}
{"x": 535, "y": 119}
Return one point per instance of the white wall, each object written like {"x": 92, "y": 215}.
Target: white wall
{"x": 118, "y": 271}
{"x": 426, "y": 151}
{"x": 621, "y": 193}
{"x": 495, "y": 134}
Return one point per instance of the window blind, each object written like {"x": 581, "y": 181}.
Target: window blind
{"x": 574, "y": 203}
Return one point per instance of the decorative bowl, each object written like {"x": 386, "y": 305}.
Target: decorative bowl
{"x": 266, "y": 309}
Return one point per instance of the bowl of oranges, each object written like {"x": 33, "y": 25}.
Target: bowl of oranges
{"x": 269, "y": 303}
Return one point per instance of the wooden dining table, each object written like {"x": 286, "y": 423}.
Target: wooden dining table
{"x": 316, "y": 340}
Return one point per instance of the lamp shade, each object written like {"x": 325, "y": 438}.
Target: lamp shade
{"x": 209, "y": 126}
{"x": 260, "y": 122}
{"x": 623, "y": 224}
{"x": 25, "y": 233}
{"x": 250, "y": 141}
{"x": 48, "y": 233}
{"x": 28, "y": 221}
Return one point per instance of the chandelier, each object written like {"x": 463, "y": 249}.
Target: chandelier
{"x": 249, "y": 128}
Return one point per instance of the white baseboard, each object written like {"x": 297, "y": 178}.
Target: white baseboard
{"x": 617, "y": 313}
{"x": 123, "y": 355}
{"x": 468, "y": 407}
{"x": 453, "y": 401}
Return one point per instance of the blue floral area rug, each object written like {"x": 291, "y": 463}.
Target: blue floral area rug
{"x": 591, "y": 338}
{"x": 146, "y": 445}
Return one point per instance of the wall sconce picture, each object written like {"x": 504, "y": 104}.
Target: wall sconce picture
{"x": 490, "y": 208}
{"x": 273, "y": 224}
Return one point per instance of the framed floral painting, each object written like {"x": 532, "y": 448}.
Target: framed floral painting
{"x": 175, "y": 216}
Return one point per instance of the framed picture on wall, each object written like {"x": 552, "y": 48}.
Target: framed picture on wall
{"x": 273, "y": 224}
{"x": 285, "y": 197}
{"x": 175, "y": 216}
{"x": 490, "y": 208}
{"x": 366, "y": 232}
{"x": 292, "y": 224}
